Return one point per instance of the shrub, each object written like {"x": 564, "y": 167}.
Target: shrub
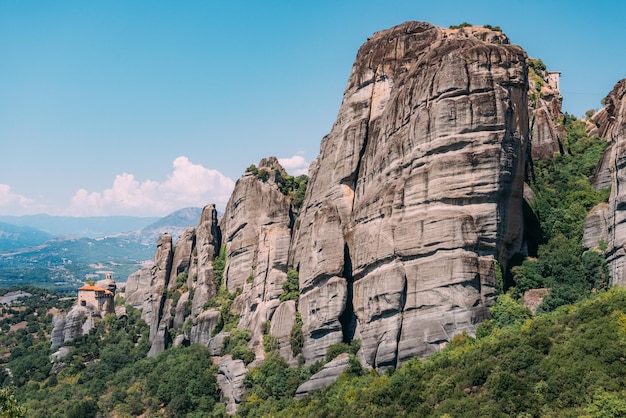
{"x": 335, "y": 349}
{"x": 291, "y": 288}
{"x": 270, "y": 343}
{"x": 296, "y": 339}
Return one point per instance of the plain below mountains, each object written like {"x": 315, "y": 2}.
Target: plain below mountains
{"x": 61, "y": 252}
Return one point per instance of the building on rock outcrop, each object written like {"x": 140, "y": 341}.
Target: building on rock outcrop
{"x": 99, "y": 298}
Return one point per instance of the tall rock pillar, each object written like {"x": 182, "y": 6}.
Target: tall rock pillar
{"x": 416, "y": 193}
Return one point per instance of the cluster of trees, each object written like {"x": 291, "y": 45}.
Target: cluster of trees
{"x": 105, "y": 372}
{"x": 569, "y": 362}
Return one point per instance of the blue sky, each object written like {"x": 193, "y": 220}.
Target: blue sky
{"x": 144, "y": 107}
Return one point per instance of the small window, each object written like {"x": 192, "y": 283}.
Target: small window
{"x": 83, "y": 303}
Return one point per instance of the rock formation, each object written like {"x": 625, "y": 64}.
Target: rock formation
{"x": 546, "y": 133}
{"x": 230, "y": 377}
{"x": 165, "y": 301}
{"x": 607, "y": 222}
{"x": 417, "y": 191}
{"x": 415, "y": 200}
{"x": 329, "y": 373}
{"x": 256, "y": 229}
{"x": 208, "y": 242}
{"x": 66, "y": 327}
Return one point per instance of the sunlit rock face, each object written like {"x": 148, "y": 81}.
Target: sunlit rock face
{"x": 606, "y": 223}
{"x": 417, "y": 191}
{"x": 256, "y": 229}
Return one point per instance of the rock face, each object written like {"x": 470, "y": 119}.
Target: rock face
{"x": 155, "y": 289}
{"x": 230, "y": 378}
{"x": 256, "y": 228}
{"x": 208, "y": 242}
{"x": 417, "y": 191}
{"x": 282, "y": 322}
{"x": 203, "y": 326}
{"x": 608, "y": 222}
{"x": 545, "y": 100}
{"x": 329, "y": 373}
{"x": 66, "y": 327}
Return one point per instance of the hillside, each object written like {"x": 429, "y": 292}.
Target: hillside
{"x": 32, "y": 257}
{"x": 566, "y": 363}
{"x": 13, "y": 236}
{"x": 91, "y": 227}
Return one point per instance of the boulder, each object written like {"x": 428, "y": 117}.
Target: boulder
{"x": 329, "y": 373}
{"x": 230, "y": 376}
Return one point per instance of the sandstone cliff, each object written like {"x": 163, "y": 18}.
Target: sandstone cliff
{"x": 178, "y": 281}
{"x": 417, "y": 191}
{"x": 606, "y": 222}
{"x": 547, "y": 135}
{"x": 415, "y": 200}
{"x": 256, "y": 227}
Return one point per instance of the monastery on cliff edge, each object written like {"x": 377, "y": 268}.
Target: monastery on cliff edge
{"x": 98, "y": 298}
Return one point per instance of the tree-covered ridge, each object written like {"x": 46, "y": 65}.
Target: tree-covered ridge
{"x": 105, "y": 372}
{"x": 567, "y": 363}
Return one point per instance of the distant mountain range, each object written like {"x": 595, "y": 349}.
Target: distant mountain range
{"x": 61, "y": 252}
{"x": 90, "y": 227}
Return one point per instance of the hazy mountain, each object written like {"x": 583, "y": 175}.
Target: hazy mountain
{"x": 92, "y": 227}
{"x": 29, "y": 256}
{"x": 14, "y": 236}
{"x": 174, "y": 224}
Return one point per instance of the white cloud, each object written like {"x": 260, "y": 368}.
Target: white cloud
{"x": 12, "y": 203}
{"x": 295, "y": 165}
{"x": 188, "y": 185}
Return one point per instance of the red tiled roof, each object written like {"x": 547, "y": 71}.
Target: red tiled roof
{"x": 95, "y": 289}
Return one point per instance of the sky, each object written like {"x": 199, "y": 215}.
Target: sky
{"x": 145, "y": 107}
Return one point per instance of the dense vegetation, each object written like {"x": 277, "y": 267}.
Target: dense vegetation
{"x": 567, "y": 363}
{"x": 105, "y": 372}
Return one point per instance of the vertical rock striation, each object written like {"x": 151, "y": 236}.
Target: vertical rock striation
{"x": 417, "y": 191}
{"x": 208, "y": 242}
{"x": 546, "y": 134}
{"x": 607, "y": 222}
{"x": 256, "y": 227}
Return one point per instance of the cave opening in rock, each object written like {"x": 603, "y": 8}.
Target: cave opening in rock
{"x": 347, "y": 317}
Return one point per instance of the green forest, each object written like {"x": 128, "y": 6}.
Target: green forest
{"x": 567, "y": 360}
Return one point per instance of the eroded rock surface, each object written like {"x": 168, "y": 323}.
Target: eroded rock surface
{"x": 283, "y": 321}
{"x": 612, "y": 126}
{"x": 208, "y": 241}
{"x": 329, "y": 373}
{"x": 256, "y": 228}
{"x": 203, "y": 326}
{"x": 416, "y": 192}
{"x": 547, "y": 135}
{"x": 230, "y": 376}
